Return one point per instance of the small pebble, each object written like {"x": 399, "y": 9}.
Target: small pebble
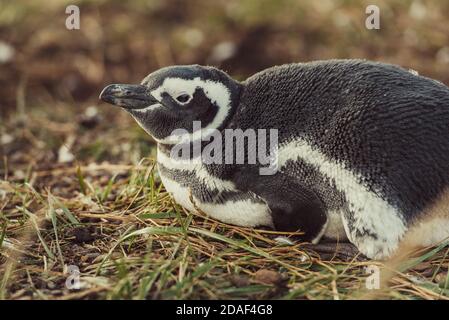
{"x": 266, "y": 276}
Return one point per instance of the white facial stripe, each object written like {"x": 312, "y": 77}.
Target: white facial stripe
{"x": 151, "y": 107}
{"x": 217, "y": 92}
{"x": 370, "y": 212}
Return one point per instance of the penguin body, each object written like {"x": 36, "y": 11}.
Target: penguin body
{"x": 363, "y": 147}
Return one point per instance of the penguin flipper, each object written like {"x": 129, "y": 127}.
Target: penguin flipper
{"x": 293, "y": 206}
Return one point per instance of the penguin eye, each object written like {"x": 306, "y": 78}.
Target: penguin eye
{"x": 183, "y": 98}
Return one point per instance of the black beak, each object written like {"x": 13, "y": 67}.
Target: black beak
{"x": 129, "y": 96}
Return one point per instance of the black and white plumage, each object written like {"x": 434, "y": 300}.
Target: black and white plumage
{"x": 363, "y": 147}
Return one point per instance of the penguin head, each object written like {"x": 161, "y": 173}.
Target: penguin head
{"x": 170, "y": 100}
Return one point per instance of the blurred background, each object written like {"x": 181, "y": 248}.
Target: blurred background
{"x": 50, "y": 77}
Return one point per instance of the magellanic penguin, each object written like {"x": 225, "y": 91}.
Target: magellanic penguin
{"x": 362, "y": 147}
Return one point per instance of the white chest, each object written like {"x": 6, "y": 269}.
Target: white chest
{"x": 243, "y": 212}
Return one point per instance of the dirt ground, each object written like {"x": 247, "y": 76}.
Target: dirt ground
{"x": 77, "y": 185}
